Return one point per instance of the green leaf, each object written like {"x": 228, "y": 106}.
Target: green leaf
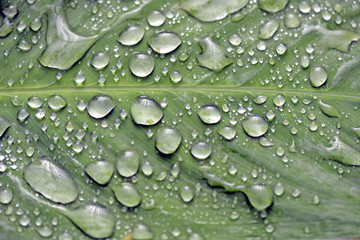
{"x": 179, "y": 119}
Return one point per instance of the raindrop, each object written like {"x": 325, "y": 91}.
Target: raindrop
{"x": 10, "y": 11}
{"x": 146, "y": 111}
{"x": 127, "y": 194}
{"x": 142, "y": 232}
{"x": 292, "y": 20}
{"x": 57, "y": 102}
{"x": 35, "y": 102}
{"x": 235, "y": 40}
{"x": 6, "y": 196}
{"x": 156, "y": 18}
{"x": 304, "y": 7}
{"x": 260, "y": 99}
{"x": 127, "y": 163}
{"x": 35, "y": 25}
{"x": 255, "y": 125}
{"x": 100, "y": 106}
{"x": 24, "y": 46}
{"x": 175, "y": 76}
{"x": 279, "y": 100}
{"x": 227, "y": 132}
{"x": 272, "y": 5}
{"x": 186, "y": 194}
{"x": 141, "y": 64}
{"x": 268, "y": 30}
{"x": 147, "y": 168}
{"x": 44, "y": 177}
{"x": 101, "y": 171}
{"x": 132, "y": 35}
{"x": 318, "y": 76}
{"x": 209, "y": 114}
{"x": 100, "y": 60}
{"x": 164, "y": 42}
{"x": 167, "y": 140}
{"x": 201, "y": 150}
{"x": 279, "y": 189}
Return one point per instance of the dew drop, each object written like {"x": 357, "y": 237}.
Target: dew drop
{"x": 268, "y": 30}
{"x": 6, "y": 196}
{"x": 57, "y": 102}
{"x": 168, "y": 140}
{"x": 255, "y": 125}
{"x": 227, "y": 132}
{"x": 4, "y": 125}
{"x": 142, "y": 232}
{"x": 146, "y": 111}
{"x": 279, "y": 189}
{"x": 127, "y": 163}
{"x": 164, "y": 42}
{"x": 186, "y": 194}
{"x": 127, "y": 194}
{"x": 318, "y": 76}
{"x": 279, "y": 100}
{"x": 100, "y": 171}
{"x": 35, "y": 102}
{"x": 132, "y": 35}
{"x": 100, "y": 60}
{"x": 201, "y": 150}
{"x": 272, "y": 6}
{"x": 292, "y": 20}
{"x": 141, "y": 64}
{"x": 209, "y": 114}
{"x": 100, "y": 106}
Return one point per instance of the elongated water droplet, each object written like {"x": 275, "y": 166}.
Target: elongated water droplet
{"x": 201, "y": 150}
{"x": 4, "y": 125}
{"x": 147, "y": 168}
{"x": 168, "y": 139}
{"x": 209, "y": 11}
{"x": 57, "y": 102}
{"x": 318, "y": 76}
{"x": 279, "y": 189}
{"x": 53, "y": 182}
{"x": 164, "y": 42}
{"x": 94, "y": 219}
{"x": 329, "y": 110}
{"x": 209, "y": 114}
{"x": 156, "y": 18}
{"x": 45, "y": 231}
{"x": 212, "y": 55}
{"x": 341, "y": 152}
{"x": 141, "y": 64}
{"x": 6, "y": 196}
{"x": 100, "y": 60}
{"x": 260, "y": 99}
{"x": 146, "y": 111}
{"x": 186, "y": 194}
{"x": 100, "y": 106}
{"x": 265, "y": 142}
{"x": 132, "y": 35}
{"x": 127, "y": 194}
{"x": 272, "y": 5}
{"x": 227, "y": 132}
{"x": 142, "y": 232}
{"x": 255, "y": 125}
{"x": 101, "y": 171}
{"x": 127, "y": 163}
{"x": 24, "y": 46}
{"x": 268, "y": 30}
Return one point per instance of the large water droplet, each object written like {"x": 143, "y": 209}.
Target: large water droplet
{"x": 100, "y": 106}
{"x": 6, "y": 196}
{"x": 100, "y": 60}
{"x": 128, "y": 163}
{"x": 260, "y": 196}
{"x": 168, "y": 140}
{"x": 255, "y": 125}
{"x": 164, "y": 42}
{"x": 268, "y": 30}
{"x": 56, "y": 102}
{"x": 146, "y": 111}
{"x": 329, "y": 110}
{"x": 94, "y": 219}
{"x": 292, "y": 20}
{"x": 141, "y": 64}
{"x": 341, "y": 152}
{"x": 142, "y": 232}
{"x": 227, "y": 132}
{"x": 201, "y": 150}
{"x": 156, "y": 18}
{"x": 272, "y": 5}
{"x": 101, "y": 171}
{"x": 132, "y": 35}
{"x": 318, "y": 76}
{"x": 127, "y": 194}
{"x": 209, "y": 114}
{"x": 186, "y": 194}
{"x": 53, "y": 182}
{"x": 4, "y": 125}
{"x": 35, "y": 102}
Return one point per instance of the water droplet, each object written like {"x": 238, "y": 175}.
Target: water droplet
{"x": 296, "y": 193}
{"x": 4, "y": 125}
{"x": 164, "y": 42}
{"x": 100, "y": 60}
{"x": 35, "y": 25}
{"x": 94, "y": 219}
{"x": 44, "y": 177}
{"x": 212, "y": 55}
{"x": 260, "y": 99}
{"x": 207, "y": 11}
{"x": 132, "y": 35}
{"x": 168, "y": 140}
{"x": 24, "y": 220}
{"x": 142, "y": 232}
{"x": 265, "y": 142}
{"x": 201, "y": 150}
{"x": 272, "y": 6}
{"x": 329, "y": 110}
{"x": 156, "y": 18}
{"x": 45, "y": 231}
{"x": 260, "y": 196}
{"x": 79, "y": 78}
{"x": 196, "y": 236}
{"x": 255, "y": 125}
{"x": 186, "y": 194}
{"x": 227, "y": 132}
{"x": 281, "y": 49}
{"x": 235, "y": 40}
{"x": 101, "y": 171}
{"x": 175, "y": 76}
{"x": 318, "y": 76}
{"x": 209, "y": 114}
{"x": 279, "y": 189}
{"x": 141, "y": 64}
{"x": 279, "y": 100}
{"x": 316, "y": 200}
{"x": 127, "y": 163}
{"x": 305, "y": 61}
{"x": 127, "y": 194}
{"x": 6, "y": 196}
{"x": 57, "y": 102}
{"x": 146, "y": 111}
{"x": 292, "y": 20}
{"x": 268, "y": 30}
{"x": 35, "y": 102}
{"x": 100, "y": 106}
{"x": 147, "y": 168}
{"x": 304, "y": 7}
{"x": 24, "y": 46}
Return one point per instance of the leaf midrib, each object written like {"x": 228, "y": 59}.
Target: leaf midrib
{"x": 255, "y": 90}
